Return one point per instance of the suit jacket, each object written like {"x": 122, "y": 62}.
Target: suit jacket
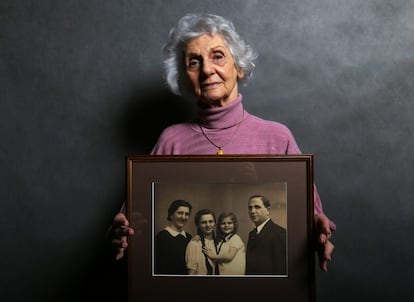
{"x": 266, "y": 251}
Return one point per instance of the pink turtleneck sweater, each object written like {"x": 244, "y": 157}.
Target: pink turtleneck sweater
{"x": 233, "y": 129}
{"x": 222, "y": 126}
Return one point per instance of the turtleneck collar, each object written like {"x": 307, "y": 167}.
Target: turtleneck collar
{"x": 221, "y": 117}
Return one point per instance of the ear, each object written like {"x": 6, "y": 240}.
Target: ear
{"x": 240, "y": 74}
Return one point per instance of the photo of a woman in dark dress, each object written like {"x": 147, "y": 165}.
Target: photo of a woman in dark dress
{"x": 171, "y": 242}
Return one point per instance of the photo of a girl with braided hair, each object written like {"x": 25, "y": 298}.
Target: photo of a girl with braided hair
{"x": 197, "y": 261}
{"x": 230, "y": 256}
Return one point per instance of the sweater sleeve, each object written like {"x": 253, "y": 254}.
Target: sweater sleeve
{"x": 160, "y": 147}
{"x": 293, "y": 148}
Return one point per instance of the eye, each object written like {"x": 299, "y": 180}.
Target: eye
{"x": 194, "y": 64}
{"x": 218, "y": 58}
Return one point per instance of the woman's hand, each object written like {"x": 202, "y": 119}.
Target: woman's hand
{"x": 196, "y": 238}
{"x": 323, "y": 235}
{"x": 118, "y": 234}
{"x": 209, "y": 253}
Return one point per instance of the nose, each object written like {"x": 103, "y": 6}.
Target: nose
{"x": 207, "y": 67}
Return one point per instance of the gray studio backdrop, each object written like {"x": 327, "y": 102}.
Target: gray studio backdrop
{"x": 81, "y": 87}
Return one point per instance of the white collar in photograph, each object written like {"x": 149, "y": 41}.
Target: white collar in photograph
{"x": 175, "y": 233}
{"x": 261, "y": 226}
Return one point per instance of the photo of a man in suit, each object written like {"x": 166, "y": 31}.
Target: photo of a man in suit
{"x": 266, "y": 246}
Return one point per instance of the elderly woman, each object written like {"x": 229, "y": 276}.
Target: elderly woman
{"x": 206, "y": 58}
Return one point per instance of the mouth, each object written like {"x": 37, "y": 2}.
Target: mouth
{"x": 210, "y": 85}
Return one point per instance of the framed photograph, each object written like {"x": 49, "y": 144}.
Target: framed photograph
{"x": 230, "y": 227}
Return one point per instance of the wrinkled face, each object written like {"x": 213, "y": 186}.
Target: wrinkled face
{"x": 258, "y": 213}
{"x": 180, "y": 217}
{"x": 207, "y": 224}
{"x": 227, "y": 226}
{"x": 211, "y": 70}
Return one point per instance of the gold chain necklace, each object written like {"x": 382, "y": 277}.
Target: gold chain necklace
{"x": 220, "y": 148}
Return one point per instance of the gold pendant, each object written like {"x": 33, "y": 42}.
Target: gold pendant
{"x": 220, "y": 151}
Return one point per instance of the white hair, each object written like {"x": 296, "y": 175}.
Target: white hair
{"x": 192, "y": 26}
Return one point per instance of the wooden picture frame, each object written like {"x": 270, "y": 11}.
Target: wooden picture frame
{"x": 222, "y": 184}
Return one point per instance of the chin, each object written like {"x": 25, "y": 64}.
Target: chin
{"x": 210, "y": 97}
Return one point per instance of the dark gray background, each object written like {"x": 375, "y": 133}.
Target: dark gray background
{"x": 81, "y": 86}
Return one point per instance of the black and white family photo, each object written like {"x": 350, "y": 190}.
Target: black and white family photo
{"x": 220, "y": 229}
